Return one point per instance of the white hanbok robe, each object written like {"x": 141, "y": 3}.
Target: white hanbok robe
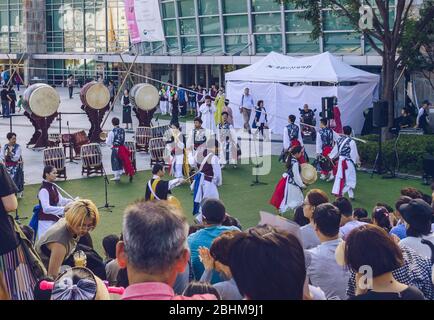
{"x": 287, "y": 140}
{"x": 207, "y": 116}
{"x": 58, "y": 210}
{"x": 293, "y": 196}
{"x": 351, "y": 157}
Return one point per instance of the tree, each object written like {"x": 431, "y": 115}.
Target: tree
{"x": 385, "y": 31}
{"x": 417, "y": 49}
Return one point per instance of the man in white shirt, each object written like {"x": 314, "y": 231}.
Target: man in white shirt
{"x": 207, "y": 111}
{"x": 417, "y": 215}
{"x": 247, "y": 104}
{"x": 348, "y": 223}
{"x": 322, "y": 269}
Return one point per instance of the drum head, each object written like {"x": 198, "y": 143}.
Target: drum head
{"x": 98, "y": 96}
{"x": 146, "y": 97}
{"x": 308, "y": 173}
{"x": 44, "y": 101}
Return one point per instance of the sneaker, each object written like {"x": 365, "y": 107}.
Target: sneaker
{"x": 115, "y": 179}
{"x": 235, "y": 166}
{"x": 331, "y": 178}
{"x": 322, "y": 177}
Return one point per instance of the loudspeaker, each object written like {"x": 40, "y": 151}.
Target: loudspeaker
{"x": 380, "y": 115}
{"x": 327, "y": 107}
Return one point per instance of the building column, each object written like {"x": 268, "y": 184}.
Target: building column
{"x": 35, "y": 38}
{"x": 179, "y": 74}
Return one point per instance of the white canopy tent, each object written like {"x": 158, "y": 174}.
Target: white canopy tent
{"x": 284, "y": 83}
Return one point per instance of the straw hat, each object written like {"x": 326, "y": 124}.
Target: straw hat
{"x": 308, "y": 173}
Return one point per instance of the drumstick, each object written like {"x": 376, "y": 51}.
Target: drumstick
{"x": 66, "y": 193}
{"x": 192, "y": 176}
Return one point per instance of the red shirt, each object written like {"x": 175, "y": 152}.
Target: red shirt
{"x": 158, "y": 291}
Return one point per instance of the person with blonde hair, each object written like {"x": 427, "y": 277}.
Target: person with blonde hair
{"x": 60, "y": 241}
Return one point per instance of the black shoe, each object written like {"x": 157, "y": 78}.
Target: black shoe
{"x": 131, "y": 179}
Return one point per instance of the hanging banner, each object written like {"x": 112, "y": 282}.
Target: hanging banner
{"x": 144, "y": 20}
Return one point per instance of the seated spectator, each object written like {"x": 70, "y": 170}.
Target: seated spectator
{"x": 417, "y": 214}
{"x": 154, "y": 251}
{"x": 299, "y": 217}
{"x": 381, "y": 218}
{"x": 268, "y": 264}
{"x": 385, "y": 205}
{"x": 196, "y": 287}
{"x": 231, "y": 221}
{"x": 360, "y": 213}
{"x": 399, "y": 229}
{"x": 371, "y": 246}
{"x": 411, "y": 192}
{"x": 348, "y": 222}
{"x": 214, "y": 213}
{"x": 216, "y": 258}
{"x": 60, "y": 241}
{"x": 79, "y": 283}
{"x": 112, "y": 267}
{"x": 323, "y": 270}
{"x": 314, "y": 198}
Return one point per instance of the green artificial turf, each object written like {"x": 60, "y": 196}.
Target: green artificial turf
{"x": 242, "y": 200}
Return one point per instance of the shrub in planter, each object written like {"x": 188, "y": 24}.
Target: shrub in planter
{"x": 410, "y": 149}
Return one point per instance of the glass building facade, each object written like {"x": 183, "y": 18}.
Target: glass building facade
{"x": 11, "y": 26}
{"x": 85, "y": 30}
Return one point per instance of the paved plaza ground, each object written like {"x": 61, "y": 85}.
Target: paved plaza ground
{"x": 33, "y": 164}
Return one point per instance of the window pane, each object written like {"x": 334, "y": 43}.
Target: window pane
{"x": 268, "y": 42}
{"x": 186, "y": 8}
{"x": 211, "y": 45}
{"x": 170, "y": 27}
{"x": 187, "y": 26}
{"x": 236, "y": 24}
{"x": 207, "y": 7}
{"x": 342, "y": 42}
{"x": 4, "y": 21}
{"x": 236, "y": 43}
{"x": 295, "y": 23}
{"x": 265, "y": 5}
{"x": 209, "y": 25}
{"x": 301, "y": 43}
{"x": 172, "y": 45}
{"x": 189, "y": 44}
{"x": 335, "y": 21}
{"x": 168, "y": 10}
{"x": 231, "y": 6}
{"x": 269, "y": 22}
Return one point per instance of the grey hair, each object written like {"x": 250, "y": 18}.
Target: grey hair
{"x": 155, "y": 235}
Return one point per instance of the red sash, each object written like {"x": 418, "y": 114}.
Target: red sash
{"x": 279, "y": 193}
{"x": 124, "y": 155}
{"x": 325, "y": 152}
{"x": 343, "y": 179}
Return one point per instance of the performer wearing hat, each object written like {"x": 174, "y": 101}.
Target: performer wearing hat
{"x": 157, "y": 189}
{"x": 346, "y": 150}
{"x": 120, "y": 158}
{"x": 195, "y": 139}
{"x": 292, "y": 138}
{"x": 289, "y": 190}
{"x": 175, "y": 144}
{"x": 207, "y": 111}
{"x": 325, "y": 140}
{"x": 228, "y": 141}
{"x": 51, "y": 201}
{"x": 11, "y": 156}
{"x": 208, "y": 178}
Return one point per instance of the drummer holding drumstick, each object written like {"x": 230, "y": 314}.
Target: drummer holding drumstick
{"x": 325, "y": 140}
{"x": 51, "y": 201}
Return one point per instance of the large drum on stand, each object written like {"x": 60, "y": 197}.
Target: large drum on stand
{"x": 144, "y": 98}
{"x": 95, "y": 98}
{"x": 40, "y": 102}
